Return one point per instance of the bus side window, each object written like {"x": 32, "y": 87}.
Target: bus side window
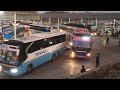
{"x": 45, "y": 43}
{"x": 35, "y": 46}
{"x": 52, "y": 41}
{"x": 62, "y": 38}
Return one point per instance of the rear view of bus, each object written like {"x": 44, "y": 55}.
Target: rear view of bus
{"x": 81, "y": 43}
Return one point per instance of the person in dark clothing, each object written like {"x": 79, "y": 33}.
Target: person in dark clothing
{"x": 83, "y": 69}
{"x": 97, "y": 59}
{"x": 107, "y": 40}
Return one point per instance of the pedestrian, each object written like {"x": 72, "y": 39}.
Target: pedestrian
{"x": 97, "y": 59}
{"x": 83, "y": 69}
{"x": 104, "y": 42}
{"x": 107, "y": 40}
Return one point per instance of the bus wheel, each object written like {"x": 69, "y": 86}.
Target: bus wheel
{"x": 53, "y": 57}
{"x": 29, "y": 68}
{"x": 58, "y": 53}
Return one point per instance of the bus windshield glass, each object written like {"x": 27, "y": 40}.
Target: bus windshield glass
{"x": 82, "y": 44}
{"x": 81, "y": 35}
{"x": 8, "y": 57}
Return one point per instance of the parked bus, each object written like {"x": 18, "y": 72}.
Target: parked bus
{"x": 81, "y": 43}
{"x": 40, "y": 27}
{"x": 22, "y": 55}
{"x": 83, "y": 25}
{"x": 76, "y": 25}
{"x": 67, "y": 28}
{"x": 6, "y": 21}
{"x": 26, "y": 22}
{"x": 8, "y": 33}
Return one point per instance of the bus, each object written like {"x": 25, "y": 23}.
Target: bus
{"x": 76, "y": 25}
{"x": 6, "y": 21}
{"x": 67, "y": 28}
{"x": 8, "y": 33}
{"x": 20, "y": 56}
{"x": 1, "y": 31}
{"x": 90, "y": 27}
{"x": 81, "y": 43}
{"x": 40, "y": 27}
{"x": 26, "y": 22}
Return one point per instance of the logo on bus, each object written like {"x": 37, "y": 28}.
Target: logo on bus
{"x": 41, "y": 52}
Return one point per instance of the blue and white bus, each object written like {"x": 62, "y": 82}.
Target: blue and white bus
{"x": 22, "y": 55}
{"x": 8, "y": 33}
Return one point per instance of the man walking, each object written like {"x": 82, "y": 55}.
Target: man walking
{"x": 107, "y": 40}
{"x": 97, "y": 59}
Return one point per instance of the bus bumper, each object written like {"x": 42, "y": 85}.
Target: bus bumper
{"x": 10, "y": 71}
{"x": 12, "y": 74}
{"x": 81, "y": 55}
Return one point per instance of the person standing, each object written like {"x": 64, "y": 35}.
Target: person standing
{"x": 97, "y": 59}
{"x": 104, "y": 42}
{"x": 83, "y": 69}
{"x": 107, "y": 40}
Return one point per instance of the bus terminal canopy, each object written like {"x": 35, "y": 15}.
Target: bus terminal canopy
{"x": 21, "y": 15}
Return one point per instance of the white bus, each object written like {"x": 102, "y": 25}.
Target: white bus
{"x": 22, "y": 55}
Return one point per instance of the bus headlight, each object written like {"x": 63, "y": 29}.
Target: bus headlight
{"x": 85, "y": 38}
{"x": 95, "y": 34}
{"x": 14, "y": 70}
{"x": 0, "y": 68}
{"x": 88, "y": 54}
{"x": 73, "y": 54}
{"x": 71, "y": 43}
{"x": 91, "y": 34}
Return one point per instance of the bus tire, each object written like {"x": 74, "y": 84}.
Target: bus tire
{"x": 58, "y": 53}
{"x": 53, "y": 57}
{"x": 29, "y": 68}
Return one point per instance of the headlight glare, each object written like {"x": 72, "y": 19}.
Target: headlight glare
{"x": 14, "y": 70}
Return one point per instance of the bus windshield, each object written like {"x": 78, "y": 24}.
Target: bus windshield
{"x": 80, "y": 35}
{"x": 8, "y": 57}
{"x": 82, "y": 44}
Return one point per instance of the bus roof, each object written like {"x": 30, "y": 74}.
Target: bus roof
{"x": 13, "y": 42}
{"x": 12, "y": 28}
{"x": 39, "y": 36}
{"x": 4, "y": 26}
{"x": 46, "y": 26}
{"x": 68, "y": 27}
